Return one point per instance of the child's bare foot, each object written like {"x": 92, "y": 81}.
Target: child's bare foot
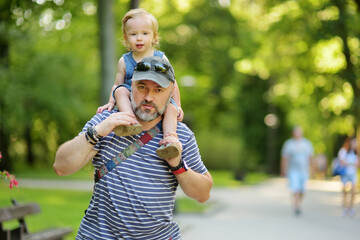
{"x": 128, "y": 130}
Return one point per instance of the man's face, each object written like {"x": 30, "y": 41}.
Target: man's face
{"x": 149, "y": 100}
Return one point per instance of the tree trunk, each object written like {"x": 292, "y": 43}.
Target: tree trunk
{"x": 28, "y": 140}
{"x": 349, "y": 74}
{"x": 134, "y": 4}
{"x": 5, "y": 13}
{"x": 107, "y": 49}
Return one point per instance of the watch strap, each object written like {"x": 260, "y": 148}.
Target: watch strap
{"x": 180, "y": 168}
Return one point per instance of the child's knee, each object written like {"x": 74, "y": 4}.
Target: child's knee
{"x": 124, "y": 91}
{"x": 171, "y": 109}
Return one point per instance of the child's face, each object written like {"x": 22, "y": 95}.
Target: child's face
{"x": 139, "y": 34}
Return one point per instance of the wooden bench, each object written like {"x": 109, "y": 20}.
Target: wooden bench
{"x": 18, "y": 212}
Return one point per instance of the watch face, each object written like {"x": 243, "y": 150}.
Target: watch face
{"x": 182, "y": 164}
{"x": 185, "y": 165}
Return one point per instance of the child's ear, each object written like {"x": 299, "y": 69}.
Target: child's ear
{"x": 155, "y": 38}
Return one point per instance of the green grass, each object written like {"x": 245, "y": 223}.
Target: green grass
{"x": 58, "y": 208}
{"x": 188, "y": 205}
{"x": 62, "y": 208}
{"x": 86, "y": 173}
{"x": 227, "y": 178}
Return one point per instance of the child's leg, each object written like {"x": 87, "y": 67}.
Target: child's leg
{"x": 170, "y": 119}
{"x": 122, "y": 97}
{"x": 169, "y": 127}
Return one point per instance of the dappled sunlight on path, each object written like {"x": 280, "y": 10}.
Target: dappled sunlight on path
{"x": 264, "y": 212}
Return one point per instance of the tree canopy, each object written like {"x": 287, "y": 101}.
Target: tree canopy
{"x": 247, "y": 70}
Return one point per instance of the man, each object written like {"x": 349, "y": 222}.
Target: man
{"x": 297, "y": 154}
{"x": 135, "y": 199}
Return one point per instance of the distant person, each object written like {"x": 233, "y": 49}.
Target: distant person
{"x": 135, "y": 189}
{"x": 321, "y": 166}
{"x": 348, "y": 157}
{"x": 296, "y": 160}
{"x": 140, "y": 33}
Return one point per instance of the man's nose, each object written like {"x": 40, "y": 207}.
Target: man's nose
{"x": 148, "y": 96}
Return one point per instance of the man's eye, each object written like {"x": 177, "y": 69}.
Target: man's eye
{"x": 159, "y": 90}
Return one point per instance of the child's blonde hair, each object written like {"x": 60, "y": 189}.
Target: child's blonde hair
{"x": 136, "y": 12}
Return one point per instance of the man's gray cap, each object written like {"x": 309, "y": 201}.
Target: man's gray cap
{"x": 163, "y": 79}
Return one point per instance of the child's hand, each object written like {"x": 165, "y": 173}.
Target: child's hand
{"x": 168, "y": 136}
{"x": 180, "y": 114}
{"x": 108, "y": 106}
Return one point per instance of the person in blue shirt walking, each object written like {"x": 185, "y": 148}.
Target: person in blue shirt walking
{"x": 135, "y": 189}
{"x": 296, "y": 162}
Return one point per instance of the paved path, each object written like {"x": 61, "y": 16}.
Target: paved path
{"x": 264, "y": 212}
{"x": 257, "y": 212}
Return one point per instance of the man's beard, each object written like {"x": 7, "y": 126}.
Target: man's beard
{"x": 145, "y": 115}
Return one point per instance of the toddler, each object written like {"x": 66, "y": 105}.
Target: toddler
{"x": 140, "y": 33}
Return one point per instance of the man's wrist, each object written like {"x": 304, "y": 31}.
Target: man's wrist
{"x": 92, "y": 136}
{"x": 180, "y": 168}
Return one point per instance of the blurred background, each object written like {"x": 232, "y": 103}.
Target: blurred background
{"x": 248, "y": 71}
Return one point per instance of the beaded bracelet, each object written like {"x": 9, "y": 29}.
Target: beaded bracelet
{"x": 88, "y": 139}
{"x": 93, "y": 134}
{"x": 90, "y": 133}
{"x": 98, "y": 136}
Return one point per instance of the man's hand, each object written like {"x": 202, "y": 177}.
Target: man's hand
{"x": 114, "y": 120}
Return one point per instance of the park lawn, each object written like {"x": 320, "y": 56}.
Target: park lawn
{"x": 62, "y": 208}
{"x": 65, "y": 208}
{"x": 59, "y": 208}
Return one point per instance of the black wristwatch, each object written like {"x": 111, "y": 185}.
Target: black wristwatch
{"x": 180, "y": 168}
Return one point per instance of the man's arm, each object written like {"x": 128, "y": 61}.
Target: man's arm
{"x": 74, "y": 154}
{"x": 194, "y": 184}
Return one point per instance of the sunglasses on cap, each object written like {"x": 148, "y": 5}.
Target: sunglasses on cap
{"x": 147, "y": 66}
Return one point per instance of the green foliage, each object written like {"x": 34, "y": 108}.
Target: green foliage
{"x": 219, "y": 151}
{"x": 235, "y": 61}
{"x": 188, "y": 205}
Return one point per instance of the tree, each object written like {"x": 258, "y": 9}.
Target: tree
{"x": 107, "y": 48}
{"x": 5, "y": 20}
{"x": 38, "y": 74}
